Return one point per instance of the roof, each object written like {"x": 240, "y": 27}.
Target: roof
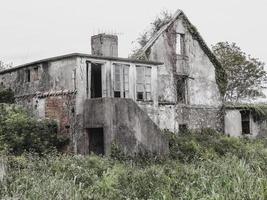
{"x": 220, "y": 72}
{"x": 192, "y": 30}
{"x": 259, "y": 109}
{"x": 80, "y": 55}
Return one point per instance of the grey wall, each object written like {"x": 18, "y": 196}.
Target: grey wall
{"x": 125, "y": 124}
{"x": 203, "y": 99}
{"x": 233, "y": 124}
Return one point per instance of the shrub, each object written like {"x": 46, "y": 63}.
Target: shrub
{"x": 19, "y": 132}
{"x": 6, "y": 95}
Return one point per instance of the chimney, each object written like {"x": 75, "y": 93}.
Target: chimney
{"x": 104, "y": 45}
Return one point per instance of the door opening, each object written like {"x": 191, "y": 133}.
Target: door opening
{"x": 96, "y": 141}
{"x": 96, "y": 80}
{"x": 245, "y": 121}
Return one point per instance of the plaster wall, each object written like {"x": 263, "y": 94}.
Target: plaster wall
{"x": 203, "y": 100}
{"x": 202, "y": 88}
{"x": 125, "y": 124}
{"x": 233, "y": 126}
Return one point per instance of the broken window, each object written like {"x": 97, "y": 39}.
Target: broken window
{"x": 28, "y": 75}
{"x": 121, "y": 80}
{"x": 35, "y": 75}
{"x": 96, "y": 80}
{"x": 245, "y": 121}
{"x": 181, "y": 89}
{"x": 143, "y": 83}
{"x": 180, "y": 45}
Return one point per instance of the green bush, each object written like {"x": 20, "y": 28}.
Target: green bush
{"x": 19, "y": 132}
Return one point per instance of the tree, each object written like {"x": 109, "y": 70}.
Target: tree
{"x": 5, "y": 65}
{"x": 162, "y": 19}
{"x": 244, "y": 73}
{"x": 2, "y": 66}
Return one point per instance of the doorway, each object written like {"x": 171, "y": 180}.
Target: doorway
{"x": 96, "y": 80}
{"x": 245, "y": 121}
{"x": 96, "y": 141}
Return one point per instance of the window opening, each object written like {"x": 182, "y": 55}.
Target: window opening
{"x": 96, "y": 81}
{"x": 28, "y": 75}
{"x": 121, "y": 80}
{"x": 180, "y": 45}
{"x": 181, "y": 90}
{"x": 143, "y": 83}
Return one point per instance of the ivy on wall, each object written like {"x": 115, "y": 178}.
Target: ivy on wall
{"x": 221, "y": 76}
{"x": 258, "y": 110}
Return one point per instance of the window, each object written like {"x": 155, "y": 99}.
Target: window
{"x": 96, "y": 80}
{"x": 181, "y": 90}
{"x": 121, "y": 80}
{"x": 35, "y": 75}
{"x": 28, "y": 75}
{"x": 180, "y": 45}
{"x": 143, "y": 83}
{"x": 74, "y": 78}
{"x": 245, "y": 121}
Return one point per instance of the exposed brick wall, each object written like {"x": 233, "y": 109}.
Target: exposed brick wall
{"x": 61, "y": 109}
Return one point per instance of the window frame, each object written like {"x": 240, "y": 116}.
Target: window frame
{"x": 181, "y": 45}
{"x": 122, "y": 72}
{"x": 147, "y": 86}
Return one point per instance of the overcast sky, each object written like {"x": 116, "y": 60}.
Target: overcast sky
{"x": 36, "y": 29}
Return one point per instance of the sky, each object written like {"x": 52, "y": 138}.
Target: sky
{"x": 37, "y": 29}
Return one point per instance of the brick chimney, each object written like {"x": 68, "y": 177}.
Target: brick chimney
{"x": 104, "y": 45}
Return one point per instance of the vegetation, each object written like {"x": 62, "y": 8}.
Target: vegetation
{"x": 5, "y": 65}
{"x": 258, "y": 110}
{"x": 203, "y": 165}
{"x": 162, "y": 19}
{"x": 6, "y": 95}
{"x": 19, "y": 132}
{"x": 245, "y": 73}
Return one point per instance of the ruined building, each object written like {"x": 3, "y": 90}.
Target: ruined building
{"x": 101, "y": 99}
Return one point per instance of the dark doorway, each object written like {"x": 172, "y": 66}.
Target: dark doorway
{"x": 96, "y": 141}
{"x": 96, "y": 81}
{"x": 183, "y": 128}
{"x": 245, "y": 121}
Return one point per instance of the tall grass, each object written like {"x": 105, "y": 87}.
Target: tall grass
{"x": 201, "y": 166}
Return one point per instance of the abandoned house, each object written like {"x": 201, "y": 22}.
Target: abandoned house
{"x": 101, "y": 99}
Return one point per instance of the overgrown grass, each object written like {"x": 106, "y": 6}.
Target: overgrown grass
{"x": 201, "y": 166}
